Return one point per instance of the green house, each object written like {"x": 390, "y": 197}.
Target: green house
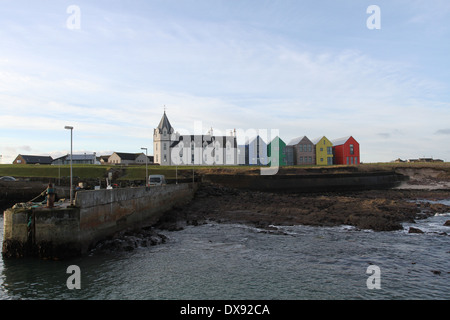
{"x": 279, "y": 147}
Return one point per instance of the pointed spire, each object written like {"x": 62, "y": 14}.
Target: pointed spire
{"x": 164, "y": 123}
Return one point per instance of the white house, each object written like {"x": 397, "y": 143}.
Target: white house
{"x": 127, "y": 158}
{"x": 170, "y": 148}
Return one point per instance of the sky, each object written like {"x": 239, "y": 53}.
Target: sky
{"x": 296, "y": 67}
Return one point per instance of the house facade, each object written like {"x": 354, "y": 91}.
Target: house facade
{"x": 127, "y": 158}
{"x": 170, "y": 148}
{"x": 303, "y": 151}
{"x": 29, "y": 159}
{"x": 346, "y": 151}
{"x": 324, "y": 151}
{"x": 84, "y": 158}
{"x": 256, "y": 152}
{"x": 276, "y": 152}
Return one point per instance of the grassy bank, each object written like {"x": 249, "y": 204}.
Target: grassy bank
{"x": 138, "y": 172}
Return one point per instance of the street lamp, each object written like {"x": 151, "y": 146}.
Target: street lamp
{"x": 71, "y": 176}
{"x": 146, "y": 168}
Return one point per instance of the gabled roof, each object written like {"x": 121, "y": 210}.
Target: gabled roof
{"x": 164, "y": 123}
{"x": 252, "y": 140}
{"x": 128, "y": 156}
{"x": 340, "y": 141}
{"x": 316, "y": 140}
{"x": 37, "y": 159}
{"x": 297, "y": 140}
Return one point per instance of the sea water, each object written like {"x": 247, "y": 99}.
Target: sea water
{"x": 234, "y": 261}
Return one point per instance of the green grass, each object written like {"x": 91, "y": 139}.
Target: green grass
{"x": 138, "y": 172}
{"x": 47, "y": 171}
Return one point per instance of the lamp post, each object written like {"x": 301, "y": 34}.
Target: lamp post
{"x": 146, "y": 167}
{"x": 71, "y": 176}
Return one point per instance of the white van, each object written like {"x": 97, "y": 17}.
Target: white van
{"x": 157, "y": 180}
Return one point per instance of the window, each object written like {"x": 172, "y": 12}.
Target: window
{"x": 192, "y": 158}
{"x": 356, "y": 160}
{"x": 321, "y": 159}
{"x": 156, "y": 147}
{"x": 329, "y": 150}
{"x": 165, "y": 158}
{"x": 321, "y": 149}
{"x": 348, "y": 162}
{"x": 156, "y": 158}
{"x": 351, "y": 149}
{"x": 309, "y": 147}
{"x": 301, "y": 159}
{"x": 165, "y": 147}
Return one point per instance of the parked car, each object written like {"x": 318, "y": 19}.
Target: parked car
{"x": 8, "y": 178}
{"x": 157, "y": 180}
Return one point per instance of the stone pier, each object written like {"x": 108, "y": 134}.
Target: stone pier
{"x": 68, "y": 231}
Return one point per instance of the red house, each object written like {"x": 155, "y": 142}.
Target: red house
{"x": 346, "y": 151}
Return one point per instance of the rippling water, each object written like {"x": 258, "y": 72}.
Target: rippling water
{"x": 230, "y": 261}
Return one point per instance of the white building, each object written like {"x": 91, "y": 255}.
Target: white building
{"x": 170, "y": 148}
{"x": 128, "y": 158}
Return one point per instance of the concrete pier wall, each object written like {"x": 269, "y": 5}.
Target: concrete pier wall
{"x": 98, "y": 214}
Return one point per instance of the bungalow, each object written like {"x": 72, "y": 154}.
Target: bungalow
{"x": 85, "y": 158}
{"x": 324, "y": 151}
{"x": 128, "y": 158}
{"x": 346, "y": 151}
{"x": 27, "y": 159}
{"x": 303, "y": 152}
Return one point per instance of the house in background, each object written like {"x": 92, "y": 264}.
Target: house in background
{"x": 278, "y": 158}
{"x": 303, "y": 152}
{"x": 256, "y": 152}
{"x": 324, "y": 151}
{"x": 103, "y": 159}
{"x": 85, "y": 158}
{"x": 128, "y": 158}
{"x": 29, "y": 159}
{"x": 346, "y": 151}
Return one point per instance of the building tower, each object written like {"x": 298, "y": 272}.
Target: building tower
{"x": 162, "y": 139}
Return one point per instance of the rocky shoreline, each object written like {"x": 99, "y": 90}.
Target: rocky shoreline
{"x": 378, "y": 210}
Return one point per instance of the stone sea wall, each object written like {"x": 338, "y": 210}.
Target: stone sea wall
{"x": 60, "y": 232}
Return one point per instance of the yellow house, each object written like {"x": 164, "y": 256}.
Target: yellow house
{"x": 324, "y": 151}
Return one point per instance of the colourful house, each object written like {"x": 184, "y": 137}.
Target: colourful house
{"x": 324, "y": 151}
{"x": 256, "y": 152}
{"x": 302, "y": 151}
{"x": 279, "y": 155}
{"x": 346, "y": 151}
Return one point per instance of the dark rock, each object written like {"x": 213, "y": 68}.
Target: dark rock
{"x": 447, "y": 223}
{"x": 437, "y": 272}
{"x": 414, "y": 230}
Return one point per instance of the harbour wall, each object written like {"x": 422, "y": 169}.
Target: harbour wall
{"x": 323, "y": 182}
{"x": 62, "y": 232}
